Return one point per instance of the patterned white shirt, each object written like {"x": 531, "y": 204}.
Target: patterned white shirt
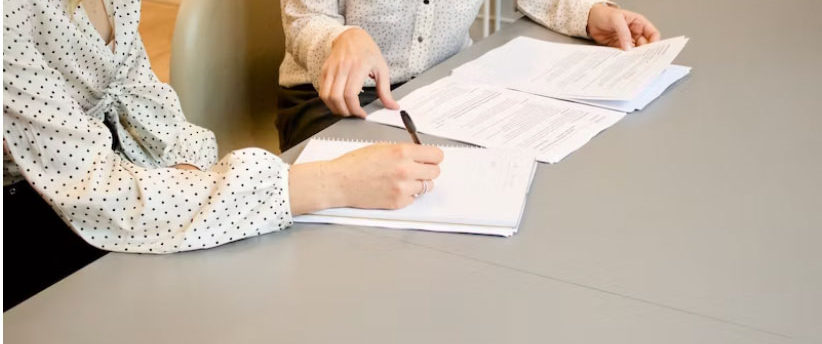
{"x": 413, "y": 35}
{"x": 94, "y": 132}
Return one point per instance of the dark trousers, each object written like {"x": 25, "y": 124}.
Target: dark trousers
{"x": 39, "y": 249}
{"x": 301, "y": 113}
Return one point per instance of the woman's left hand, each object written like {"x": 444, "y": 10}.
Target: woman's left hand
{"x": 619, "y": 28}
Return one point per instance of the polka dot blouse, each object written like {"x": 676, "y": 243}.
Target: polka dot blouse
{"x": 95, "y": 133}
{"x": 413, "y": 35}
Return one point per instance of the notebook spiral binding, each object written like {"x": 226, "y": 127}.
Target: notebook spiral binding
{"x": 336, "y": 139}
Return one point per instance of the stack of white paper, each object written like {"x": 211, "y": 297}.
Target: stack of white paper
{"x": 601, "y": 76}
{"x": 668, "y": 77}
{"x": 509, "y": 100}
{"x": 504, "y": 98}
{"x": 497, "y": 117}
{"x": 480, "y": 191}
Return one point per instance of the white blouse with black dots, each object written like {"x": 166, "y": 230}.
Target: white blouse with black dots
{"x": 95, "y": 133}
{"x": 413, "y": 35}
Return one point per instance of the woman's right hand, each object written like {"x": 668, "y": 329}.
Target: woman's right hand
{"x": 354, "y": 57}
{"x": 382, "y": 176}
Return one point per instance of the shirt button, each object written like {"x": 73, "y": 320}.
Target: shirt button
{"x": 425, "y": 2}
{"x": 419, "y": 39}
{"x": 12, "y": 191}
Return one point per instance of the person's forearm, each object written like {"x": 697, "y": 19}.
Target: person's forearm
{"x": 569, "y": 17}
{"x": 309, "y": 29}
{"x": 314, "y": 186}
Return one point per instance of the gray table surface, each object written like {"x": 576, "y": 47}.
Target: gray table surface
{"x": 696, "y": 220}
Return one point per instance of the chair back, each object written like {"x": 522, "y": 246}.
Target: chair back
{"x": 225, "y": 57}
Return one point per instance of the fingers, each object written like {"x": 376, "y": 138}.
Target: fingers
{"x": 326, "y": 85}
{"x": 337, "y": 90}
{"x": 403, "y": 194}
{"x": 415, "y": 188}
{"x": 341, "y": 85}
{"x": 424, "y": 186}
{"x": 649, "y": 31}
{"x": 651, "y": 34}
{"x": 421, "y": 153}
{"x": 383, "y": 80}
{"x": 351, "y": 94}
{"x": 642, "y": 29}
{"x": 423, "y": 171}
{"x": 622, "y": 31}
{"x": 412, "y": 179}
{"x": 641, "y": 41}
{"x": 409, "y": 190}
{"x": 430, "y": 184}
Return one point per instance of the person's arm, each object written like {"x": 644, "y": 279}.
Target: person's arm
{"x": 310, "y": 27}
{"x": 569, "y": 17}
{"x": 113, "y": 203}
{"x": 117, "y": 205}
{"x": 155, "y": 133}
{"x": 377, "y": 176}
{"x": 338, "y": 57}
{"x": 599, "y": 20}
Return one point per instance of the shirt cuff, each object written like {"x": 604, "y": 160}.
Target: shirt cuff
{"x": 260, "y": 163}
{"x": 195, "y": 146}
{"x": 287, "y": 219}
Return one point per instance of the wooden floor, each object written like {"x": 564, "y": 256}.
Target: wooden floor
{"x": 157, "y": 29}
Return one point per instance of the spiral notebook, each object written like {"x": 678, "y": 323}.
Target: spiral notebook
{"x": 479, "y": 191}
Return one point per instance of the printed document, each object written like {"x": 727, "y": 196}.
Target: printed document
{"x": 496, "y": 117}
{"x": 669, "y": 76}
{"x": 572, "y": 71}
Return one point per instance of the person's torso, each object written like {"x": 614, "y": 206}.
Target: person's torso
{"x": 414, "y": 35}
{"x": 88, "y": 69}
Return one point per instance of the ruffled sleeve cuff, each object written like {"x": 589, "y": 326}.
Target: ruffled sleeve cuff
{"x": 195, "y": 146}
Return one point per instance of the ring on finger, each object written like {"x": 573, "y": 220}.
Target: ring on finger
{"x": 424, "y": 189}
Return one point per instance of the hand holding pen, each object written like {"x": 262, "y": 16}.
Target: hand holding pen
{"x": 412, "y": 130}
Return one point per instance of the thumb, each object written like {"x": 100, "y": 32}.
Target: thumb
{"x": 622, "y": 31}
{"x": 384, "y": 87}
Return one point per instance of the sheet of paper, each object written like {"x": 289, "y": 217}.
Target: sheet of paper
{"x": 398, "y": 224}
{"x": 479, "y": 191}
{"x": 668, "y": 77}
{"x": 572, "y": 70}
{"x": 496, "y": 117}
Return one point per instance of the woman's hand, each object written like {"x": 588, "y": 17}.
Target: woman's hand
{"x": 619, "y": 28}
{"x": 186, "y": 167}
{"x": 354, "y": 57}
{"x": 383, "y": 176}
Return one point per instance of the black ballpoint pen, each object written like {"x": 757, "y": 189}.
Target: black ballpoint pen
{"x": 409, "y": 125}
